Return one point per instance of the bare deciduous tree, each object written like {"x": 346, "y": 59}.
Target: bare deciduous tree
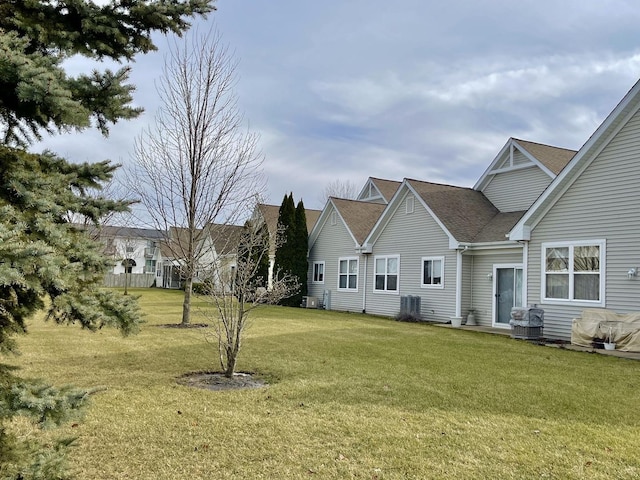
{"x": 198, "y": 165}
{"x": 340, "y": 189}
{"x": 231, "y": 306}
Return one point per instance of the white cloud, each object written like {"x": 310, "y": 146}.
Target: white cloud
{"x": 413, "y": 88}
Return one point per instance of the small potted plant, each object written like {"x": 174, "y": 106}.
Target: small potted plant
{"x": 608, "y": 343}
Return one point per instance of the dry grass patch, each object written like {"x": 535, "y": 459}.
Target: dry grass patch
{"x": 349, "y": 396}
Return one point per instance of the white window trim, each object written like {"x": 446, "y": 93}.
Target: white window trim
{"x": 385, "y": 291}
{"x": 334, "y": 218}
{"x": 428, "y": 285}
{"x": 357, "y": 274}
{"x": 313, "y": 273}
{"x": 570, "y": 301}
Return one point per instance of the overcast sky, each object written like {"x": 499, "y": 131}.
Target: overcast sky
{"x": 430, "y": 90}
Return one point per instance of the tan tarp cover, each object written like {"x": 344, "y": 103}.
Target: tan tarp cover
{"x": 597, "y": 324}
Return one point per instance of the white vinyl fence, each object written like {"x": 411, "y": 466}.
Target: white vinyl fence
{"x": 134, "y": 280}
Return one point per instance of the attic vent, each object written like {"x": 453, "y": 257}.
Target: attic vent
{"x": 410, "y": 305}
{"x": 410, "y": 204}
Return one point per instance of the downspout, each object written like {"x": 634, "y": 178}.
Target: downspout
{"x": 458, "y": 283}
{"x": 471, "y": 283}
{"x": 364, "y": 285}
{"x": 525, "y": 273}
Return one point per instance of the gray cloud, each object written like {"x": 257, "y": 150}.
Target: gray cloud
{"x": 421, "y": 89}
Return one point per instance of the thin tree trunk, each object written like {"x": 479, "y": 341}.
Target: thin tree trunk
{"x": 186, "y": 304}
{"x": 231, "y": 364}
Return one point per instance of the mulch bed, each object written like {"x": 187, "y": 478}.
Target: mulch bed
{"x": 218, "y": 381}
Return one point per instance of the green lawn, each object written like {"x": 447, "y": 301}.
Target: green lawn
{"x": 350, "y": 396}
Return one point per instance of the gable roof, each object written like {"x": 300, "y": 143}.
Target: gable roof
{"x": 549, "y": 159}
{"x": 175, "y": 244}
{"x": 615, "y": 121}
{"x": 554, "y": 158}
{"x": 464, "y": 212}
{"x": 125, "y": 232}
{"x": 270, "y": 215}
{"x": 385, "y": 188}
{"x": 225, "y": 237}
{"x": 359, "y": 217}
{"x": 312, "y": 217}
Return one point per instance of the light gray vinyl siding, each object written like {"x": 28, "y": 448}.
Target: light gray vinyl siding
{"x": 467, "y": 287}
{"x": 413, "y": 236}
{"x": 603, "y": 203}
{"x": 519, "y": 158}
{"x": 482, "y": 266}
{"x": 517, "y": 189}
{"x": 334, "y": 242}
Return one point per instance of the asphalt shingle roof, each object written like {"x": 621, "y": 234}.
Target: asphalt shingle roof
{"x": 360, "y": 217}
{"x": 554, "y": 158}
{"x": 225, "y": 237}
{"x": 498, "y": 227}
{"x": 463, "y": 211}
{"x": 387, "y": 188}
{"x": 270, "y": 215}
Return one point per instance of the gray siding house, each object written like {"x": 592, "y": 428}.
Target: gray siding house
{"x": 444, "y": 244}
{"x": 542, "y": 226}
{"x": 581, "y": 236}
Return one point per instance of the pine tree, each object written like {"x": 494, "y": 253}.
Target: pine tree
{"x": 300, "y": 241}
{"x": 46, "y": 262}
{"x": 36, "y": 36}
{"x": 286, "y": 215}
{"x": 283, "y": 262}
{"x": 291, "y": 254}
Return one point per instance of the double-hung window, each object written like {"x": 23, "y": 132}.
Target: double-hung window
{"x": 387, "y": 272}
{"x": 348, "y": 273}
{"x": 573, "y": 271}
{"x": 318, "y": 272}
{"x": 432, "y": 272}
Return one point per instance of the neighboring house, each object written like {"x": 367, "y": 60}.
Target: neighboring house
{"x": 134, "y": 250}
{"x": 174, "y": 249}
{"x": 268, "y": 214}
{"x": 215, "y": 247}
{"x": 225, "y": 243}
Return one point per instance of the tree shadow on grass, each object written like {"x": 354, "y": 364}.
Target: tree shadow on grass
{"x": 183, "y": 325}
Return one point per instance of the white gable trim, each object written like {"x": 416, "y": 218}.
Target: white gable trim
{"x": 533, "y": 159}
{"x": 368, "y": 186}
{"x": 393, "y": 206}
{"x": 507, "y": 153}
{"x": 329, "y": 208}
{"x": 322, "y": 219}
{"x": 604, "y": 134}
